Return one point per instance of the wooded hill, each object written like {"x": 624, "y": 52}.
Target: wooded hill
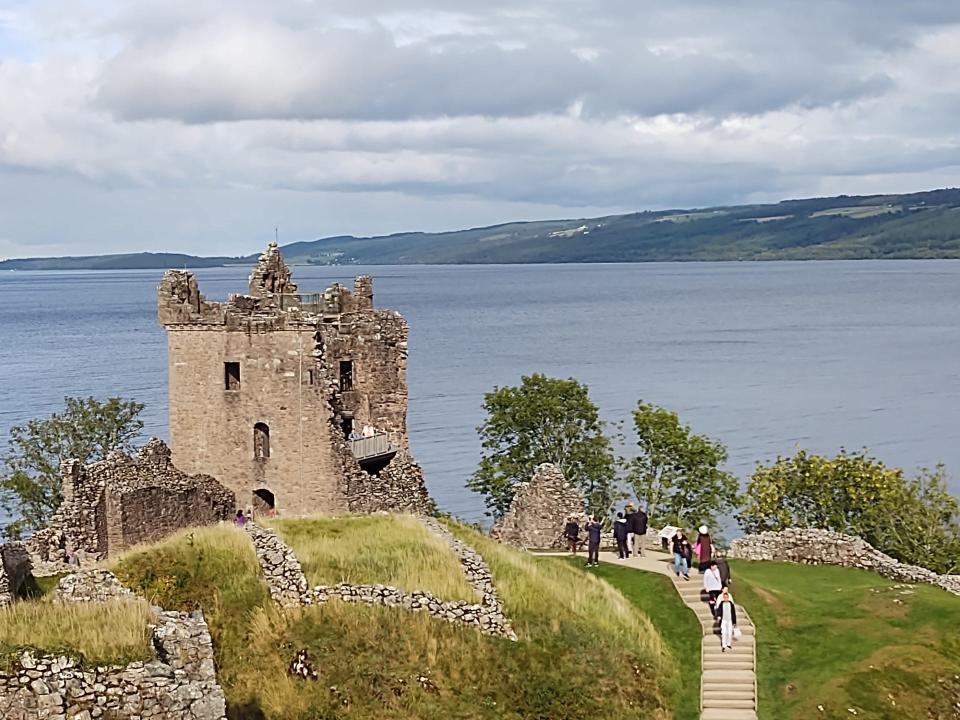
{"x": 917, "y": 225}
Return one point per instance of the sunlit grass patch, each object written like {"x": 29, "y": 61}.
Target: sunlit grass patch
{"x": 109, "y": 633}
{"x": 392, "y": 550}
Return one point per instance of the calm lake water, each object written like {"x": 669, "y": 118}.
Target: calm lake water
{"x": 764, "y": 356}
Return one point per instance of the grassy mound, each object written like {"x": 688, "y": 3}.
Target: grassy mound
{"x": 390, "y": 550}
{"x": 113, "y": 633}
{"x": 584, "y": 651}
{"x": 847, "y": 640}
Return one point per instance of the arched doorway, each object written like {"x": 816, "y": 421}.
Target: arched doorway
{"x": 261, "y": 441}
{"x": 264, "y": 503}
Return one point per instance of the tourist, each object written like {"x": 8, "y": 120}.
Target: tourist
{"x": 703, "y": 549}
{"x": 571, "y": 534}
{"x": 724, "y": 567}
{"x": 593, "y": 541}
{"x": 713, "y": 584}
{"x": 681, "y": 554}
{"x": 727, "y": 612}
{"x": 620, "y": 535}
{"x": 240, "y": 520}
{"x": 639, "y": 530}
{"x": 629, "y": 515}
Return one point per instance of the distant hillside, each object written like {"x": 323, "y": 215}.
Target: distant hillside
{"x": 918, "y": 225}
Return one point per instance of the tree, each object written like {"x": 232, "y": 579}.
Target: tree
{"x": 915, "y": 520}
{"x": 544, "y": 420}
{"x": 677, "y": 473}
{"x": 87, "y": 430}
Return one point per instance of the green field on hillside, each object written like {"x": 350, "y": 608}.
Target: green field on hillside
{"x": 839, "y": 643}
{"x": 584, "y": 651}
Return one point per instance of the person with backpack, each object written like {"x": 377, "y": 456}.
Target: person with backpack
{"x": 620, "y": 535}
{"x": 639, "y": 530}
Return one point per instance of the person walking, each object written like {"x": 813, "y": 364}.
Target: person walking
{"x": 703, "y": 549}
{"x": 724, "y": 567}
{"x": 629, "y": 514}
{"x": 593, "y": 541}
{"x": 571, "y": 533}
{"x": 681, "y": 554}
{"x": 620, "y": 535}
{"x": 713, "y": 585}
{"x": 639, "y": 531}
{"x": 727, "y": 612}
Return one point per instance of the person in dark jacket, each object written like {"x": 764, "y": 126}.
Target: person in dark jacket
{"x": 703, "y": 549}
{"x": 593, "y": 541}
{"x": 727, "y": 614}
{"x": 681, "y": 554}
{"x": 620, "y": 535}
{"x": 724, "y": 567}
{"x": 639, "y": 531}
{"x": 571, "y": 533}
{"x": 628, "y": 515}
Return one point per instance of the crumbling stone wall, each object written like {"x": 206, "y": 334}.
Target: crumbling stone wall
{"x": 179, "y": 683}
{"x": 539, "y": 511}
{"x": 290, "y": 350}
{"x": 810, "y": 546}
{"x": 119, "y": 502}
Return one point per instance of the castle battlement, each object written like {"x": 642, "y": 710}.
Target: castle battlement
{"x": 272, "y": 398}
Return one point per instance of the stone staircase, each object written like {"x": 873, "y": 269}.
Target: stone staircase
{"x": 728, "y": 687}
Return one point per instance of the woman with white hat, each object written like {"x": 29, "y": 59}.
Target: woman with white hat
{"x": 703, "y": 549}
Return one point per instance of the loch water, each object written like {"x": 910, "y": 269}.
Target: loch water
{"x": 764, "y": 356}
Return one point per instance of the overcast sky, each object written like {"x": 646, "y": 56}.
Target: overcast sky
{"x": 199, "y": 125}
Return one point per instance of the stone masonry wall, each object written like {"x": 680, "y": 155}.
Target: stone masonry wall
{"x": 539, "y": 511}
{"x": 823, "y": 547}
{"x": 179, "y": 683}
{"x": 119, "y": 502}
{"x": 289, "y": 588}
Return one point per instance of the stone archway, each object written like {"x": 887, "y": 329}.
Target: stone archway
{"x": 264, "y": 503}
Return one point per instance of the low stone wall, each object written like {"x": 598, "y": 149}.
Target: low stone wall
{"x": 14, "y": 570}
{"x": 178, "y": 684}
{"x": 91, "y": 586}
{"x": 288, "y": 585}
{"x": 823, "y": 547}
{"x": 281, "y": 569}
{"x": 539, "y": 511}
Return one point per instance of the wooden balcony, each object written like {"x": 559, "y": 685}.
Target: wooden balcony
{"x": 374, "y": 450}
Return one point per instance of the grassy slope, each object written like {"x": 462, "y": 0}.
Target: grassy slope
{"x": 101, "y": 634}
{"x": 584, "y": 652}
{"x": 841, "y": 638}
{"x": 655, "y": 596}
{"x": 395, "y": 550}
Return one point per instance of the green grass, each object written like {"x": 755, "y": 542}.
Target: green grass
{"x": 391, "y": 550}
{"x": 846, "y": 639}
{"x": 584, "y": 650}
{"x": 655, "y": 595}
{"x": 111, "y": 633}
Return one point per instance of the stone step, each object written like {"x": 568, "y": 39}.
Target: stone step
{"x": 711, "y": 694}
{"x": 740, "y": 648}
{"x": 738, "y": 704}
{"x": 729, "y": 677}
{"x": 728, "y": 662}
{"x": 728, "y": 714}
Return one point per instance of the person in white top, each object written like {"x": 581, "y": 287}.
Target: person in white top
{"x": 727, "y": 612}
{"x": 713, "y": 584}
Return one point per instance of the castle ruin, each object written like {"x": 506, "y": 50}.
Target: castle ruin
{"x": 296, "y": 402}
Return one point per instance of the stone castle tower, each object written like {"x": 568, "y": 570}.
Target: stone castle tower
{"x": 295, "y": 402}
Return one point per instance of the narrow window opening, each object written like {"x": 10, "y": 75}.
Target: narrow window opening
{"x": 346, "y": 424}
{"x": 310, "y": 378}
{"x": 261, "y": 441}
{"x": 346, "y": 375}
{"x": 231, "y": 375}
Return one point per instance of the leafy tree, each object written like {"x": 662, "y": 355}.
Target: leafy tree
{"x": 544, "y": 420}
{"x": 912, "y": 519}
{"x": 88, "y": 430}
{"x": 677, "y": 473}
